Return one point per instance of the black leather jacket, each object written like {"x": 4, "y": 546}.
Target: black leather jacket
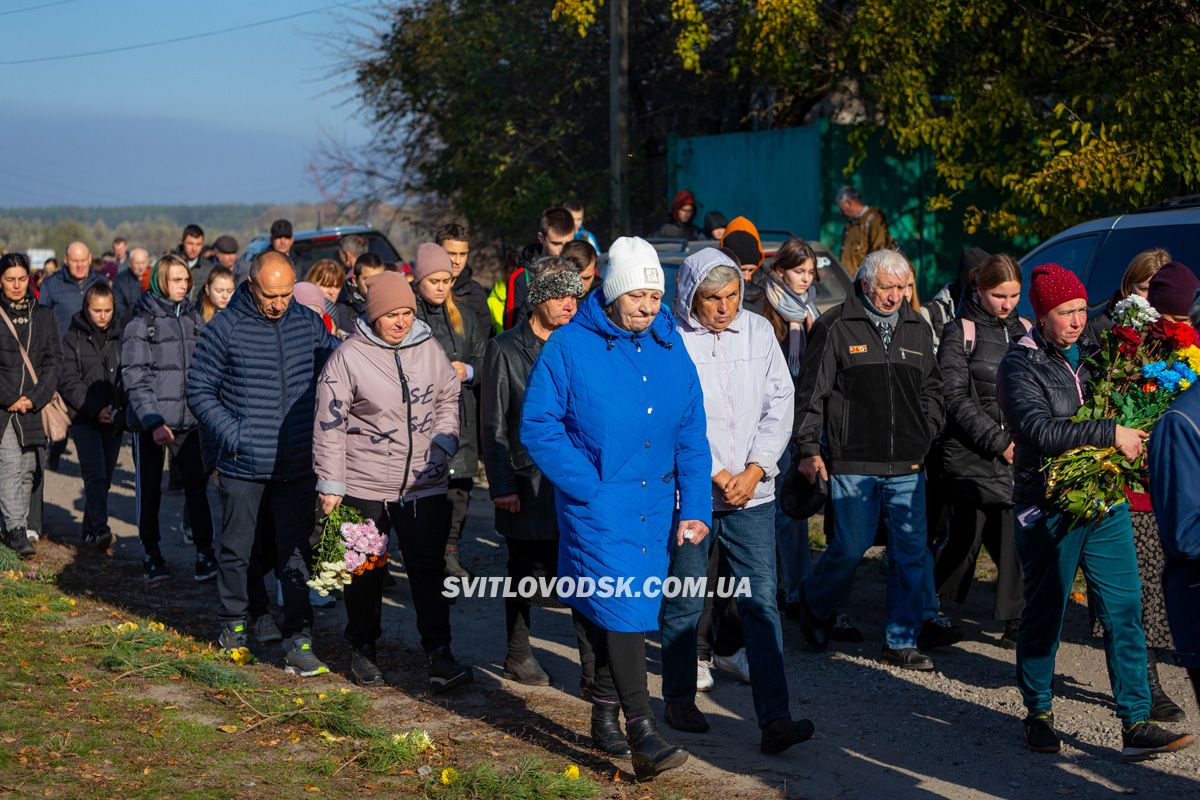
{"x": 1038, "y": 395}
{"x": 507, "y": 363}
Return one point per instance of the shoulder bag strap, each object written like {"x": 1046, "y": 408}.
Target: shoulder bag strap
{"x": 21, "y": 347}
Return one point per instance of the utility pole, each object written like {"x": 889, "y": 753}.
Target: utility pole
{"x": 618, "y": 114}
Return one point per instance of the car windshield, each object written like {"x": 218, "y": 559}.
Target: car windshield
{"x": 306, "y": 252}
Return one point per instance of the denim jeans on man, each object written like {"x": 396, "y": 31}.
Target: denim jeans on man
{"x": 1051, "y": 551}
{"x": 748, "y": 538}
{"x": 859, "y": 503}
{"x": 791, "y": 540}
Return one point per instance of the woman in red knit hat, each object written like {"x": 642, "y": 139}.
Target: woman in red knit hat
{"x": 1042, "y": 382}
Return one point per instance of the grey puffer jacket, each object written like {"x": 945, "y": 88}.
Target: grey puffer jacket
{"x": 156, "y": 351}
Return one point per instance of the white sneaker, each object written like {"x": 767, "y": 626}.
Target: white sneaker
{"x": 735, "y": 665}
{"x": 704, "y": 678}
{"x": 32, "y": 534}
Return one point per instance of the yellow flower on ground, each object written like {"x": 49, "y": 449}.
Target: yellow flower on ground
{"x": 298, "y": 701}
{"x": 156, "y": 626}
{"x": 571, "y": 773}
{"x": 241, "y": 656}
{"x": 449, "y": 775}
{"x": 127, "y": 626}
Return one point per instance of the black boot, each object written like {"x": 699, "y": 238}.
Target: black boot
{"x": 606, "y": 729}
{"x": 1162, "y": 708}
{"x": 18, "y": 540}
{"x": 651, "y": 754}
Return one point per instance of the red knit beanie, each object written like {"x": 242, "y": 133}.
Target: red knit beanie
{"x": 1051, "y": 286}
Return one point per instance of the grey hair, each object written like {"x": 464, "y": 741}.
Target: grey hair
{"x": 891, "y": 262}
{"x": 1194, "y": 314}
{"x": 717, "y": 277}
{"x": 354, "y": 245}
{"x": 552, "y": 264}
{"x": 846, "y": 193}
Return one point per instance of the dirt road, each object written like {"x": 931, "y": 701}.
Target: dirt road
{"x": 881, "y": 732}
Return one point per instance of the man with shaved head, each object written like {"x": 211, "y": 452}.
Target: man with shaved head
{"x": 252, "y": 385}
{"x": 63, "y": 291}
{"x": 127, "y": 287}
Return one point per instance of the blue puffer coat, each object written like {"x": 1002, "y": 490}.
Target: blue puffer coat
{"x": 616, "y": 421}
{"x": 156, "y": 350}
{"x": 253, "y": 387}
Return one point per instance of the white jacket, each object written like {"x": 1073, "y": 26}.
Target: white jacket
{"x": 748, "y": 393}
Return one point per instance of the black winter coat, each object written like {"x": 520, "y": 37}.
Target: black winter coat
{"x": 469, "y": 294}
{"x": 878, "y": 411}
{"x": 976, "y": 434}
{"x": 1038, "y": 395}
{"x": 92, "y": 369}
{"x": 1103, "y": 321}
{"x": 156, "y": 352}
{"x": 467, "y": 348}
{"x": 506, "y": 367}
{"x": 41, "y": 341}
{"x": 350, "y": 306}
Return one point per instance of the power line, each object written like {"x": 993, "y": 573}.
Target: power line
{"x": 177, "y": 39}
{"x": 35, "y": 8}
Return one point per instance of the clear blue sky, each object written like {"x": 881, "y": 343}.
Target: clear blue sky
{"x": 234, "y": 117}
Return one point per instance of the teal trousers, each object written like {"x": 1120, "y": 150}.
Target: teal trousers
{"x": 1051, "y": 551}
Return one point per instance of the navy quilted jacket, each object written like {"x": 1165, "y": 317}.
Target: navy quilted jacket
{"x": 253, "y": 387}
{"x": 156, "y": 349}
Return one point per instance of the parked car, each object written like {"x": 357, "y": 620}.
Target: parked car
{"x": 309, "y": 247}
{"x": 831, "y": 291}
{"x": 1099, "y": 251}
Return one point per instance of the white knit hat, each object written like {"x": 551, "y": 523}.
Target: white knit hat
{"x": 632, "y": 265}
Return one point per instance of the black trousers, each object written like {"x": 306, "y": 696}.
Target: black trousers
{"x": 421, "y": 527}
{"x": 148, "y": 460}
{"x": 527, "y": 558}
{"x": 973, "y": 526}
{"x": 719, "y": 629}
{"x": 620, "y": 659}
{"x": 459, "y": 496}
{"x": 292, "y": 507}
{"x": 97, "y": 447}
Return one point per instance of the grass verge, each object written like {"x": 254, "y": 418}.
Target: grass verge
{"x": 94, "y": 703}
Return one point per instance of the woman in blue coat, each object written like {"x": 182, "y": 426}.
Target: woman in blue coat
{"x": 614, "y": 417}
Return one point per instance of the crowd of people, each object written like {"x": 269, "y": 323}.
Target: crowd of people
{"x": 619, "y": 438}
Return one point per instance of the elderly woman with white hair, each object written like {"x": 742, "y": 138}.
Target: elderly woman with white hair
{"x": 868, "y": 406}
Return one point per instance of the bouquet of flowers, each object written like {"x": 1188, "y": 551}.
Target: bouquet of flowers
{"x": 1144, "y": 362}
{"x": 350, "y": 545}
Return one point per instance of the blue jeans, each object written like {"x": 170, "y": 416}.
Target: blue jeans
{"x": 1051, "y": 551}
{"x": 859, "y": 502}
{"x": 791, "y": 541}
{"x": 748, "y": 540}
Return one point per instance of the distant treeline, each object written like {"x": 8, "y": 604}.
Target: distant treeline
{"x": 231, "y": 216}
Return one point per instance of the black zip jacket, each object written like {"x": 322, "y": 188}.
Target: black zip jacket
{"x": 466, "y": 347}
{"x": 1038, "y": 395}
{"x": 976, "y": 434}
{"x": 91, "y": 369}
{"x": 875, "y": 412}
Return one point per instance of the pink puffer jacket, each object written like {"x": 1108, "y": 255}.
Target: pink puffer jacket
{"x": 387, "y": 418}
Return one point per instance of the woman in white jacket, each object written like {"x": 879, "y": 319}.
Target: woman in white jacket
{"x": 748, "y": 404}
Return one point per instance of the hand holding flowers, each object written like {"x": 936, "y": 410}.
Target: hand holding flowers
{"x": 350, "y": 545}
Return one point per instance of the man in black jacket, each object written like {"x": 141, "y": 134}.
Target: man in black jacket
{"x": 468, "y": 292}
{"x": 870, "y": 388}
{"x": 352, "y": 302}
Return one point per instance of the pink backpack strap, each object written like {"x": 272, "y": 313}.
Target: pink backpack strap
{"x": 968, "y": 326}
